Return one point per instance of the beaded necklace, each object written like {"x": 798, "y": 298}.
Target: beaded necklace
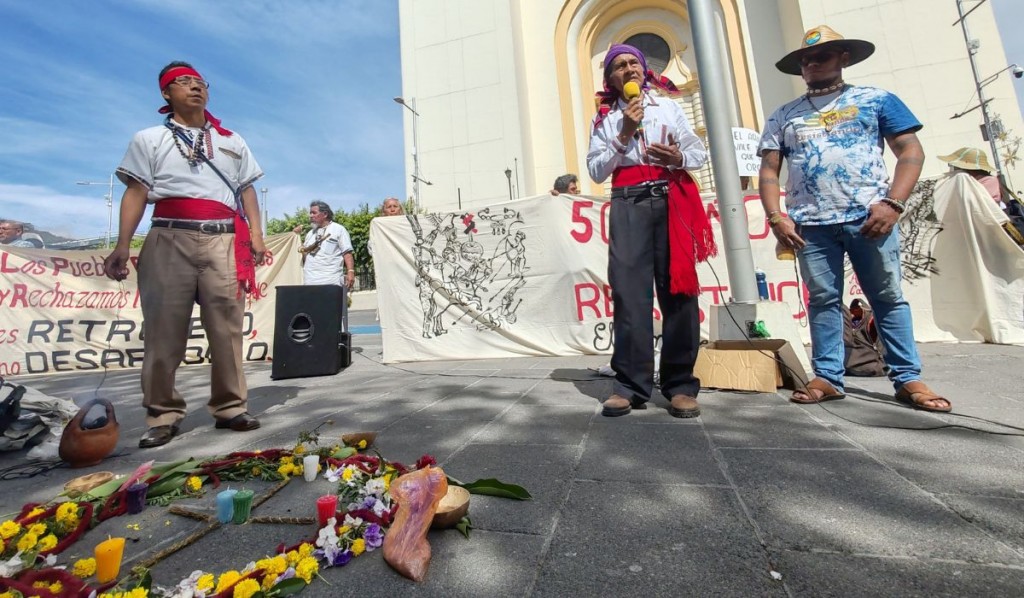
{"x": 824, "y": 91}
{"x": 829, "y": 118}
{"x": 201, "y": 148}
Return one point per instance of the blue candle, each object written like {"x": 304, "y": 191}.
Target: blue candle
{"x": 226, "y": 505}
{"x": 136, "y": 498}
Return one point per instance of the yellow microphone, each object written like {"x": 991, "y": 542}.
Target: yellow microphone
{"x": 632, "y": 90}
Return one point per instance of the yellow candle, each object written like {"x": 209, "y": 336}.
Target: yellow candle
{"x": 108, "y": 559}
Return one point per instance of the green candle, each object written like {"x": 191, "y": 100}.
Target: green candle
{"x": 243, "y": 504}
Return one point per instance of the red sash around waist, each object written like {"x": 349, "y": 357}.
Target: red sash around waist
{"x": 690, "y": 237}
{"x": 185, "y": 208}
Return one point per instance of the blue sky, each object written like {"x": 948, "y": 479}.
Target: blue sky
{"x": 308, "y": 83}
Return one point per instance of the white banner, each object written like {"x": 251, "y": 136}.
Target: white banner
{"x": 60, "y": 313}
{"x": 529, "y": 277}
{"x": 746, "y": 142}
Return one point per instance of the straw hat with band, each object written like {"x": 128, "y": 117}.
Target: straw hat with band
{"x": 969, "y": 158}
{"x": 824, "y": 36}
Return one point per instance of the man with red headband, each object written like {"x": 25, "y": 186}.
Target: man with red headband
{"x": 203, "y": 246}
{"x": 658, "y": 232}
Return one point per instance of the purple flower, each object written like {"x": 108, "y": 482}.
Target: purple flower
{"x": 374, "y": 536}
{"x": 369, "y": 502}
{"x": 342, "y": 558}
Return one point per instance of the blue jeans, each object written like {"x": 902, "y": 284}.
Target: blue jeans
{"x": 877, "y": 265}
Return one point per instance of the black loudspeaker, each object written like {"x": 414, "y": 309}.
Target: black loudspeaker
{"x": 311, "y": 335}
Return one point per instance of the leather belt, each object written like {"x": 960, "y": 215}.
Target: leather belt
{"x": 641, "y": 191}
{"x": 209, "y": 228}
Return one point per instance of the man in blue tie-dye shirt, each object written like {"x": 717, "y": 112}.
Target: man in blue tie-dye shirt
{"x": 840, "y": 201}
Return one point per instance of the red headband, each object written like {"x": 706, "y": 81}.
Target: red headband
{"x": 174, "y": 73}
{"x": 184, "y": 71}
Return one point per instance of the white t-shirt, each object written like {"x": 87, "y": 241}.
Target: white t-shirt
{"x": 326, "y": 265}
{"x": 154, "y": 160}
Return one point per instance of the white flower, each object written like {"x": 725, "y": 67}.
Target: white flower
{"x": 379, "y": 508}
{"x": 333, "y": 474}
{"x": 11, "y": 566}
{"x": 375, "y": 487}
{"x": 353, "y": 522}
{"x": 327, "y": 536}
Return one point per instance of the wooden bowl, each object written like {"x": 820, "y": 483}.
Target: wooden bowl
{"x": 452, "y": 508}
{"x": 354, "y": 438}
{"x": 85, "y": 483}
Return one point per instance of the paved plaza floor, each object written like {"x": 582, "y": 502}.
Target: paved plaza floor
{"x": 757, "y": 497}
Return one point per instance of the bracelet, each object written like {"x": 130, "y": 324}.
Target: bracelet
{"x": 351, "y": 271}
{"x": 895, "y": 204}
{"x": 775, "y": 217}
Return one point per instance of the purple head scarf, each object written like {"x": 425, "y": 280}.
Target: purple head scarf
{"x": 618, "y": 50}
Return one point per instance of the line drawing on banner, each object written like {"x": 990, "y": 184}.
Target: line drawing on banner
{"x": 457, "y": 279}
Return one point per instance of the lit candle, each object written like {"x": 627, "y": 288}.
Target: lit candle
{"x": 108, "y": 559}
{"x": 242, "y": 505}
{"x": 310, "y": 464}
{"x": 326, "y": 507}
{"x": 137, "y": 498}
{"x": 226, "y": 505}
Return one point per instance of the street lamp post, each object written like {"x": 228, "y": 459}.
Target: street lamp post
{"x": 416, "y": 178}
{"x": 972, "y": 49}
{"x": 508, "y": 175}
{"x": 264, "y": 211}
{"x": 110, "y": 202}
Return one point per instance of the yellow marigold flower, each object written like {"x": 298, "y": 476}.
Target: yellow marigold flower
{"x": 345, "y": 529}
{"x": 268, "y": 582}
{"x": 256, "y": 471}
{"x": 6, "y": 595}
{"x": 292, "y": 557}
{"x": 226, "y": 579}
{"x": 137, "y": 593}
{"x": 362, "y": 444}
{"x": 47, "y": 542}
{"x": 358, "y": 547}
{"x": 194, "y": 483}
{"x": 27, "y": 542}
{"x": 205, "y": 582}
{"x": 34, "y": 512}
{"x": 387, "y": 482}
{"x": 287, "y": 460}
{"x": 298, "y": 469}
{"x": 299, "y": 449}
{"x": 56, "y": 588}
{"x": 37, "y": 529}
{"x": 347, "y": 474}
{"x": 305, "y": 549}
{"x": 306, "y": 569}
{"x": 84, "y": 568}
{"x": 66, "y": 510}
{"x": 246, "y": 588}
{"x": 41, "y": 584}
{"x": 9, "y": 529}
{"x": 286, "y": 470}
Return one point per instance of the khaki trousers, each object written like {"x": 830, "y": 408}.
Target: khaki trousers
{"x": 177, "y": 269}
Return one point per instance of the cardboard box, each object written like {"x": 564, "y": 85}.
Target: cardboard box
{"x": 749, "y": 365}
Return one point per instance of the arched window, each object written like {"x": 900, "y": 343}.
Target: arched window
{"x": 655, "y": 49}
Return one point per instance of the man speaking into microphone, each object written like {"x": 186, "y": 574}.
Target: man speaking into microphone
{"x": 658, "y": 232}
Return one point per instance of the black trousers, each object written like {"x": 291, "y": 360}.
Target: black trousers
{"x": 637, "y": 267}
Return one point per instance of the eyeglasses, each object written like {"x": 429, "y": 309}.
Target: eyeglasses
{"x": 187, "y": 81}
{"x": 818, "y": 57}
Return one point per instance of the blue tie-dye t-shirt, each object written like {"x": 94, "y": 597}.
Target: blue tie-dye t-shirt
{"x": 834, "y": 150}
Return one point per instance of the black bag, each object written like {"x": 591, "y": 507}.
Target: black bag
{"x": 860, "y": 338}
{"x": 10, "y": 406}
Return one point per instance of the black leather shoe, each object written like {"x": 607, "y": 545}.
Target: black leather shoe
{"x": 243, "y": 422}
{"x": 158, "y": 436}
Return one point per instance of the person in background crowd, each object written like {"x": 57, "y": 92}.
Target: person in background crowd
{"x": 659, "y": 231}
{"x": 974, "y": 162}
{"x": 392, "y": 207}
{"x": 327, "y": 256}
{"x": 11, "y": 232}
{"x": 840, "y": 202}
{"x": 567, "y": 183}
{"x": 199, "y": 249}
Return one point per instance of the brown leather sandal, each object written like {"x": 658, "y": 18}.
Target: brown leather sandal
{"x": 828, "y": 393}
{"x": 918, "y": 395}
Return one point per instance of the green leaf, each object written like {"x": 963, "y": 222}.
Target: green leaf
{"x": 288, "y": 587}
{"x": 344, "y": 452}
{"x": 494, "y": 487}
{"x": 464, "y": 525}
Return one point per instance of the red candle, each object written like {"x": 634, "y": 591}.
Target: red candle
{"x": 326, "y": 507}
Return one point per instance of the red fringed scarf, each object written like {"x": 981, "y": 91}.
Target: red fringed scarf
{"x": 690, "y": 237}
{"x": 208, "y": 209}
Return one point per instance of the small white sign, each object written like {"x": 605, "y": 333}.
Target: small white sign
{"x": 746, "y": 142}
